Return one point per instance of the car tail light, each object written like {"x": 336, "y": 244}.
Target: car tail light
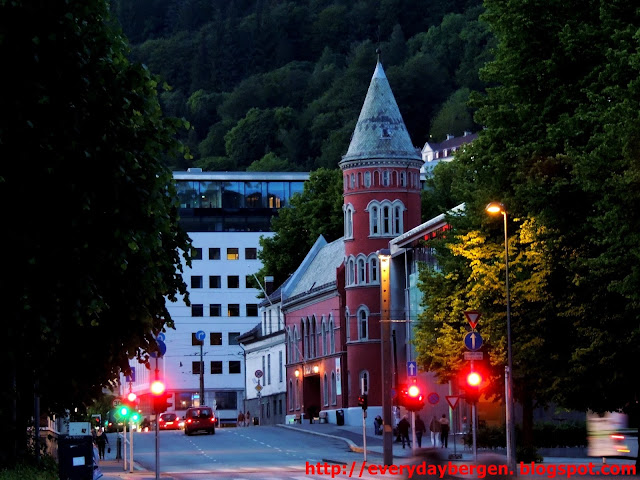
{"x": 213, "y": 419}
{"x": 189, "y": 421}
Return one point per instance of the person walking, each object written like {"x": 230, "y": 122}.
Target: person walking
{"x": 247, "y": 418}
{"x": 420, "y": 429}
{"x": 102, "y": 441}
{"x": 403, "y": 430}
{"x": 444, "y": 431}
{"x": 241, "y": 419}
{"x": 434, "y": 428}
{"x": 377, "y": 425}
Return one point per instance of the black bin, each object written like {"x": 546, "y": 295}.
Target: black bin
{"x": 75, "y": 457}
{"x": 256, "y": 420}
{"x": 340, "y": 417}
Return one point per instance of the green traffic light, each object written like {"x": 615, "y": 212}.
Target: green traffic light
{"x": 135, "y": 417}
{"x": 124, "y": 411}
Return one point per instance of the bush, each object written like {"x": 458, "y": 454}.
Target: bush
{"x": 30, "y": 472}
{"x": 545, "y": 435}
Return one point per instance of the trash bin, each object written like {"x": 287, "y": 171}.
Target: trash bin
{"x": 256, "y": 420}
{"x": 340, "y": 417}
{"x": 75, "y": 457}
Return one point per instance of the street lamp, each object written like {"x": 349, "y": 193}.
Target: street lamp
{"x": 384, "y": 256}
{"x": 495, "y": 208}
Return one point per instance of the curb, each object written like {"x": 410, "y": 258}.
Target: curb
{"x": 352, "y": 446}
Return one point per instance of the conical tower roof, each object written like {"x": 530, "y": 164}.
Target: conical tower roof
{"x": 380, "y": 132}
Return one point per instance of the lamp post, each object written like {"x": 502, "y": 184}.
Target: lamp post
{"x": 384, "y": 255}
{"x": 496, "y": 208}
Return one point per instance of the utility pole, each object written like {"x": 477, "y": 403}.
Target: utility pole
{"x": 385, "y": 354}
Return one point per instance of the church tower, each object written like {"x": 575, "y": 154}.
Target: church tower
{"x": 381, "y": 172}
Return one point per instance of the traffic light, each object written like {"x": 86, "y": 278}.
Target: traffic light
{"x": 132, "y": 397}
{"x": 363, "y": 401}
{"x": 96, "y": 420}
{"x": 161, "y": 399}
{"x": 414, "y": 399}
{"x": 472, "y": 386}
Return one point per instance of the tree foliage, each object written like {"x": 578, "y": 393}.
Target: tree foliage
{"x": 316, "y": 211}
{"x": 91, "y": 217}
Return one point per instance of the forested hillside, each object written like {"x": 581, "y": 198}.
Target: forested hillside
{"x": 278, "y": 85}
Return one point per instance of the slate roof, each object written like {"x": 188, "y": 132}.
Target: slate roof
{"x": 453, "y": 142}
{"x": 380, "y": 131}
{"x": 322, "y": 270}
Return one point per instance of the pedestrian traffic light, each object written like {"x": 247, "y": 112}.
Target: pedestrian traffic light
{"x": 132, "y": 397}
{"x": 363, "y": 401}
{"x": 161, "y": 399}
{"x": 414, "y": 398}
{"x": 96, "y": 420}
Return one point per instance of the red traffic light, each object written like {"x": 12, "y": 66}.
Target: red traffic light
{"x": 414, "y": 391}
{"x": 411, "y": 397}
{"x": 474, "y": 379}
{"x": 132, "y": 397}
{"x": 157, "y": 387}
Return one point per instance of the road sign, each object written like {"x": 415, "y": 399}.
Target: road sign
{"x": 412, "y": 369}
{"x": 472, "y": 316}
{"x": 258, "y": 387}
{"x": 200, "y": 335}
{"x": 116, "y": 402}
{"x": 433, "y": 398}
{"x": 161, "y": 336}
{"x": 162, "y": 347}
{"x": 473, "y": 355}
{"x": 453, "y": 400}
{"x": 132, "y": 377}
{"x": 258, "y": 373}
{"x": 473, "y": 341}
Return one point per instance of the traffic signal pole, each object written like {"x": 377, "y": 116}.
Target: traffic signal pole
{"x": 131, "y": 447}
{"x": 386, "y": 357}
{"x": 157, "y": 377}
{"x": 124, "y": 446}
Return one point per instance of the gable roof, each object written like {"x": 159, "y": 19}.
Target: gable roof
{"x": 380, "y": 131}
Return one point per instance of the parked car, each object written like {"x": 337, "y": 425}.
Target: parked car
{"x": 169, "y": 421}
{"x": 199, "y": 418}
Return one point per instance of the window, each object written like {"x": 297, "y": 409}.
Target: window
{"x": 351, "y": 276}
{"x": 367, "y": 179}
{"x": 397, "y": 219}
{"x": 385, "y": 178}
{"x": 195, "y": 368}
{"x": 194, "y": 340}
{"x": 233, "y": 281}
{"x": 215, "y": 310}
{"x": 233, "y": 338}
{"x": 214, "y": 254}
{"x": 234, "y": 366}
{"x": 373, "y": 269}
{"x": 233, "y": 254}
{"x": 362, "y": 278}
{"x": 216, "y": 367}
{"x": 334, "y": 395}
{"x": 250, "y": 282}
{"x": 268, "y": 369}
{"x": 197, "y": 310}
{"x": 374, "y": 221}
{"x": 347, "y": 321}
{"x": 233, "y": 310}
{"x": 348, "y": 221}
{"x": 226, "y": 400}
{"x": 214, "y": 281}
{"x": 297, "y": 394}
{"x": 252, "y": 309}
{"x": 250, "y": 253}
{"x": 196, "y": 254}
{"x": 364, "y": 382}
{"x": 323, "y": 331}
{"x": 290, "y": 391}
{"x": 196, "y": 281}
{"x": 353, "y": 181}
{"x": 385, "y": 218}
{"x": 363, "y": 323}
{"x": 403, "y": 179}
{"x": 215, "y": 338}
{"x": 332, "y": 341}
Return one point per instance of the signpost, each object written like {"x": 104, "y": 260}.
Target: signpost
{"x": 412, "y": 369}
{"x": 200, "y": 336}
{"x": 453, "y": 403}
{"x": 472, "y": 317}
{"x": 258, "y": 373}
{"x": 473, "y": 341}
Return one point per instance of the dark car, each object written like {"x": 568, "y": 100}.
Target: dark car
{"x": 169, "y": 421}
{"x": 199, "y": 418}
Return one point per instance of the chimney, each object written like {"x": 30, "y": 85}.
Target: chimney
{"x": 467, "y": 133}
{"x": 268, "y": 284}
{"x": 449, "y": 136}
{"x": 194, "y": 170}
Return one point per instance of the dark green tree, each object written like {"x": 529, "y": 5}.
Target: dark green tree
{"x": 316, "y": 211}
{"x": 91, "y": 217}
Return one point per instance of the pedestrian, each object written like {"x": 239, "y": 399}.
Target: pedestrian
{"x": 377, "y": 425}
{"x": 102, "y": 441}
{"x": 444, "y": 431}
{"x": 241, "y": 419}
{"x": 403, "y": 429}
{"x": 247, "y": 418}
{"x": 420, "y": 429}
{"x": 434, "y": 428}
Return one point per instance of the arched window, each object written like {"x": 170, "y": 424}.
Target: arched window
{"x": 373, "y": 269}
{"x": 403, "y": 179}
{"x": 352, "y": 270}
{"x": 376, "y": 179}
{"x": 334, "y": 396}
{"x": 386, "y": 220}
{"x": 363, "y": 382}
{"x": 374, "y": 221}
{"x": 325, "y": 391}
{"x": 359, "y": 181}
{"x": 362, "y": 275}
{"x": 347, "y": 322}
{"x": 312, "y": 338}
{"x": 291, "y": 396}
{"x": 297, "y": 394}
{"x": 397, "y": 220}
{"x": 363, "y": 323}
{"x": 324, "y": 337}
{"x": 305, "y": 339}
{"x": 367, "y": 179}
{"x": 385, "y": 178}
{"x": 270, "y": 324}
{"x": 296, "y": 345}
{"x": 348, "y": 220}
{"x": 353, "y": 181}
{"x": 332, "y": 342}
{"x": 394, "y": 178}
{"x": 346, "y": 182}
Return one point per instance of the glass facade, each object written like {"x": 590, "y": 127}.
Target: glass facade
{"x": 232, "y": 206}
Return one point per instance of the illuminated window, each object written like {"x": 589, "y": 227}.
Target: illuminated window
{"x": 233, "y": 254}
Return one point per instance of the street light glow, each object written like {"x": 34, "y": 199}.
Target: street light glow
{"x": 495, "y": 207}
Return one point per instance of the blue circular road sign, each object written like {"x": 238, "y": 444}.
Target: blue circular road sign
{"x": 200, "y": 335}
{"x": 162, "y": 349}
{"x": 473, "y": 341}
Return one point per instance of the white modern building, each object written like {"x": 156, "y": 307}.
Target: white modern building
{"x": 225, "y": 214}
